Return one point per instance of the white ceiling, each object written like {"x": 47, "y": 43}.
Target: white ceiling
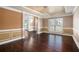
{"x": 53, "y": 10}
{"x": 69, "y": 9}
{"x": 46, "y": 11}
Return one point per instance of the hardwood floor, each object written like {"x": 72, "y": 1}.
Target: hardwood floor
{"x": 43, "y": 42}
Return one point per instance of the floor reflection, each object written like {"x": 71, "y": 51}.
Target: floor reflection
{"x": 55, "y": 41}
{"x": 31, "y": 41}
{"x": 48, "y": 42}
{"x": 58, "y": 43}
{"x": 51, "y": 40}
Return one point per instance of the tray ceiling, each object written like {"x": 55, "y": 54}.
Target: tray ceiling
{"x": 51, "y": 10}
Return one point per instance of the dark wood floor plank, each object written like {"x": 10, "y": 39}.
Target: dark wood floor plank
{"x": 43, "y": 42}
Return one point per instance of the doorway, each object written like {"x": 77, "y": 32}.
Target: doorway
{"x": 30, "y": 24}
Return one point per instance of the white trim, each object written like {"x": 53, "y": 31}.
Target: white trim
{"x": 44, "y": 32}
{"x": 77, "y": 43}
{"x": 44, "y": 15}
{"x": 11, "y": 40}
{"x": 5, "y": 30}
{"x": 30, "y": 14}
{"x": 52, "y": 16}
{"x": 67, "y": 28}
{"x": 75, "y": 9}
{"x": 44, "y": 27}
{"x": 54, "y": 33}
{"x": 63, "y": 27}
{"x": 66, "y": 34}
{"x": 12, "y": 9}
{"x": 34, "y": 11}
{"x": 39, "y": 32}
{"x": 62, "y": 34}
{"x": 74, "y": 38}
{"x": 32, "y": 30}
{"x": 20, "y": 11}
{"x": 74, "y": 30}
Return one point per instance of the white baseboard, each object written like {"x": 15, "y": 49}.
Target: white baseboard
{"x": 10, "y": 40}
{"x": 6, "y": 30}
{"x": 54, "y": 33}
{"x": 74, "y": 38}
{"x": 66, "y": 34}
{"x": 67, "y": 28}
{"x": 77, "y": 43}
{"x": 42, "y": 32}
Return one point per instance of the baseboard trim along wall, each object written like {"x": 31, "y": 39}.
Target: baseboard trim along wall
{"x": 17, "y": 38}
{"x": 55, "y": 33}
{"x": 75, "y": 40}
{"x": 12, "y": 9}
{"x": 76, "y": 37}
{"x": 8, "y": 41}
{"x": 4, "y": 30}
{"x": 46, "y": 31}
{"x": 9, "y": 35}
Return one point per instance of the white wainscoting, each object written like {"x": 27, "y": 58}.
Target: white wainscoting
{"x": 54, "y": 33}
{"x": 74, "y": 38}
{"x": 3, "y": 41}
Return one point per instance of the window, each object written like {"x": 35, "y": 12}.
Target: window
{"x": 25, "y": 21}
{"x": 55, "y": 25}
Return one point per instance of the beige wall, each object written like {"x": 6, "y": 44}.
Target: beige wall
{"x": 67, "y": 24}
{"x": 10, "y": 19}
{"x": 44, "y": 25}
{"x": 45, "y": 22}
{"x": 68, "y": 21}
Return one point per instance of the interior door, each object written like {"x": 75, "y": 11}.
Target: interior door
{"x": 55, "y": 25}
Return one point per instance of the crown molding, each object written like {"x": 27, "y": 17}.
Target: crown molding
{"x": 12, "y": 9}
{"x": 30, "y": 11}
{"x": 24, "y": 10}
{"x": 6, "y": 30}
{"x": 27, "y": 8}
{"x": 39, "y": 14}
{"x": 75, "y": 9}
{"x": 52, "y": 16}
